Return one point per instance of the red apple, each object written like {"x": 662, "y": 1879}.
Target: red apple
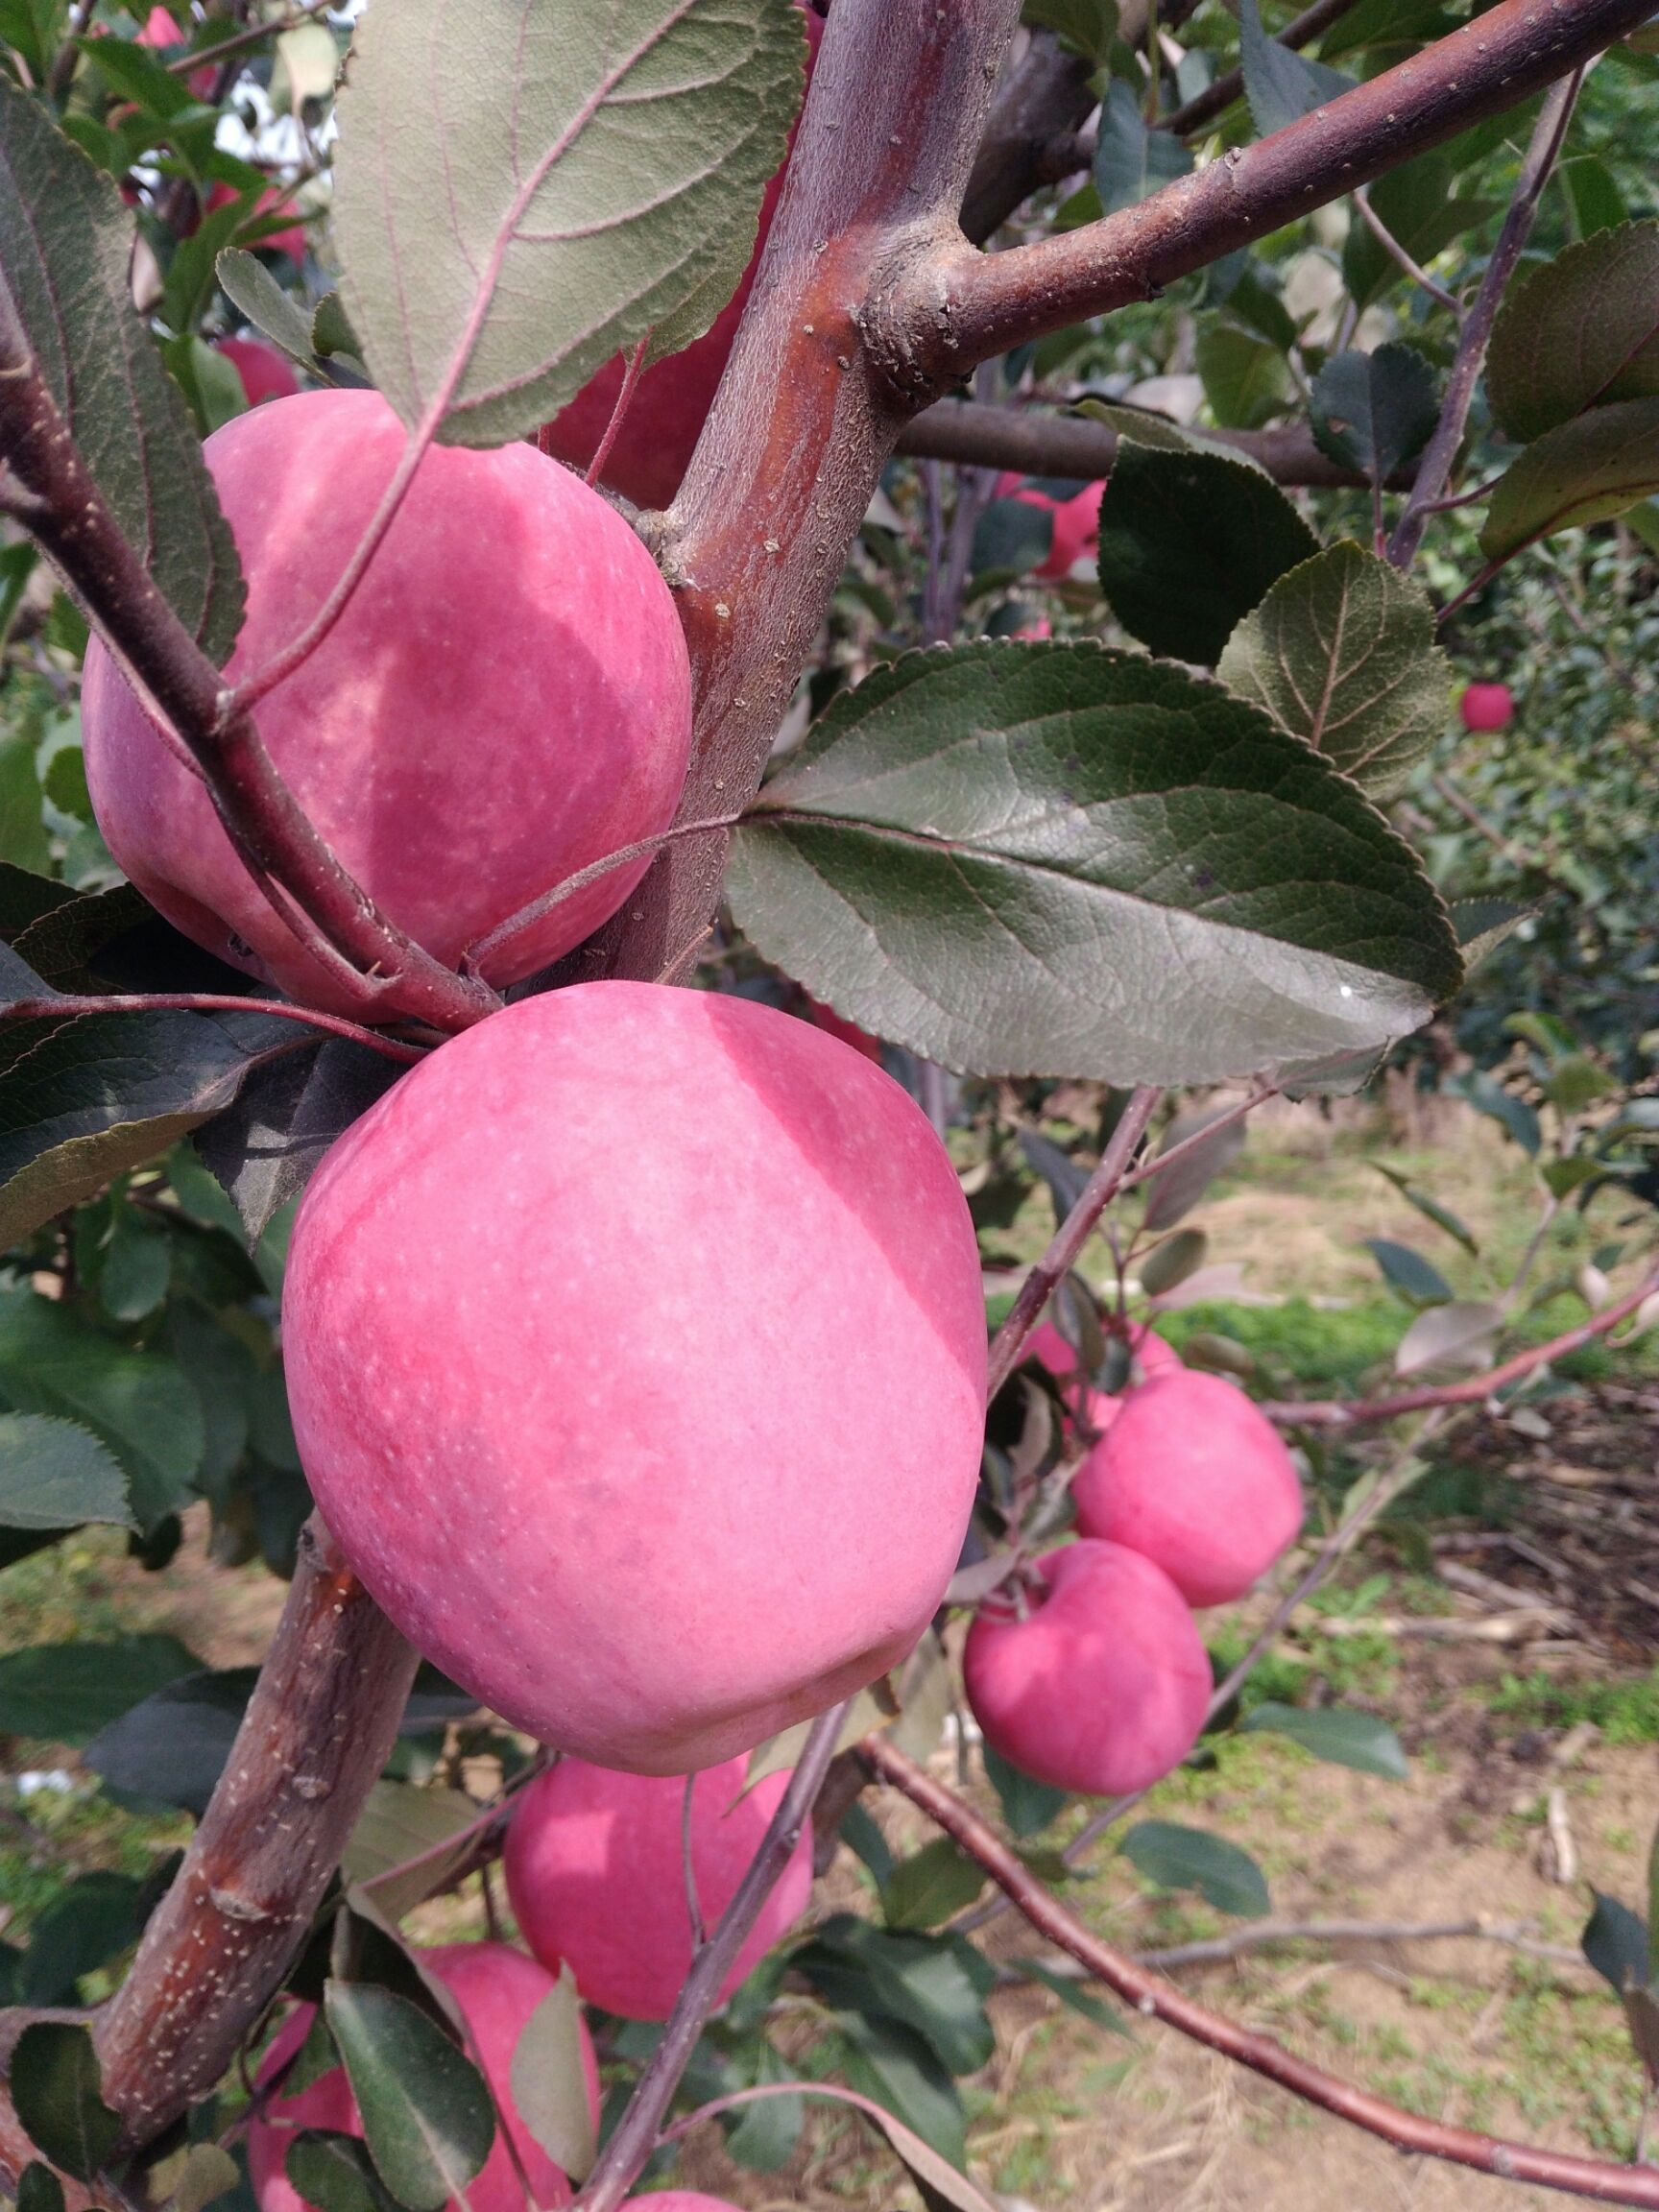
{"x": 1487, "y": 706}
{"x": 672, "y": 400}
{"x": 497, "y": 1989}
{"x": 271, "y": 202}
{"x": 1102, "y": 1686}
{"x": 827, "y": 1018}
{"x": 506, "y": 698}
{"x": 1191, "y": 1476}
{"x": 666, "y": 1308}
{"x": 161, "y": 31}
{"x": 265, "y": 373}
{"x": 1150, "y": 1352}
{"x": 1076, "y": 522}
{"x": 596, "y": 1871}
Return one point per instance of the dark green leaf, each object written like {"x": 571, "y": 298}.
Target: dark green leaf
{"x": 1580, "y": 333}
{"x": 931, "y": 1887}
{"x": 1087, "y": 25}
{"x": 23, "y": 841}
{"x": 1177, "y": 1858}
{"x": 82, "y": 1100}
{"x": 137, "y": 1262}
{"x": 1011, "y": 535}
{"x": 88, "y": 1922}
{"x": 399, "y": 1822}
{"x": 1130, "y": 159}
{"x": 1188, "y": 544}
{"x": 1430, "y": 1207}
{"x": 1029, "y": 858}
{"x": 1170, "y": 1264}
{"x": 1245, "y": 377}
{"x": 428, "y": 2116}
{"x": 1501, "y": 1106}
{"x": 556, "y": 245}
{"x": 1484, "y": 924}
{"x": 1336, "y": 1735}
{"x": 1415, "y": 204}
{"x": 892, "y": 2065}
{"x": 1375, "y": 411}
{"x": 55, "y": 1475}
{"x": 1417, "y": 1279}
{"x": 256, "y": 296}
{"x": 56, "y": 2089}
{"x": 35, "y": 28}
{"x": 331, "y": 331}
{"x": 335, "y": 2173}
{"x": 1074, "y": 1994}
{"x": 66, "y": 1693}
{"x": 1615, "y": 1941}
{"x": 66, "y": 246}
{"x": 26, "y": 898}
{"x": 1279, "y": 85}
{"x": 264, "y": 1148}
{"x": 1028, "y": 1807}
{"x": 1175, "y": 1192}
{"x": 1585, "y": 472}
{"x": 39, "y": 2189}
{"x": 209, "y": 380}
{"x": 861, "y": 1835}
{"x": 935, "y": 1985}
{"x": 172, "y": 1747}
{"x": 762, "y": 2136}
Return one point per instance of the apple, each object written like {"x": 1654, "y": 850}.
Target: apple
{"x": 1076, "y": 521}
{"x": 1192, "y": 1477}
{"x": 831, "y": 1023}
{"x": 596, "y": 1871}
{"x": 636, "y": 1349}
{"x": 671, "y": 400}
{"x": 160, "y": 31}
{"x": 265, "y": 373}
{"x": 1101, "y": 1684}
{"x": 506, "y": 698}
{"x": 497, "y": 1989}
{"x": 274, "y": 200}
{"x": 1487, "y": 706}
{"x": 1150, "y": 1352}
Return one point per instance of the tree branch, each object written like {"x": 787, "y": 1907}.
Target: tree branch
{"x": 962, "y": 308}
{"x": 1434, "y": 468}
{"x": 1335, "y": 1413}
{"x": 278, "y": 846}
{"x": 1042, "y": 99}
{"x": 634, "y": 2138}
{"x": 1037, "y": 443}
{"x": 1159, "y": 2000}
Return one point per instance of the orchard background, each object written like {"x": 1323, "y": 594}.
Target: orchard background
{"x": 1284, "y": 814}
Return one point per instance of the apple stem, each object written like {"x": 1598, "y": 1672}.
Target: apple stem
{"x": 624, "y": 399}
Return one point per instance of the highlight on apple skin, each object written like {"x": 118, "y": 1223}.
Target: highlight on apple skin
{"x": 502, "y": 578}
{"x": 498, "y": 1988}
{"x": 671, "y": 400}
{"x": 1191, "y": 1474}
{"x": 674, "y": 1303}
{"x": 596, "y": 1872}
{"x": 1103, "y": 1685}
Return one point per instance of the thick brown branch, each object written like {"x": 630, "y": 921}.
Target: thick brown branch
{"x": 966, "y": 307}
{"x": 316, "y": 1735}
{"x": 1040, "y": 443}
{"x": 1159, "y": 2000}
{"x": 75, "y": 527}
{"x": 1039, "y": 101}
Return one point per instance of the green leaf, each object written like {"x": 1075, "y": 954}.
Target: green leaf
{"x": 894, "y": 2067}
{"x": 56, "y": 1475}
{"x": 208, "y": 380}
{"x": 862, "y": 1837}
{"x": 1087, "y": 25}
{"x": 23, "y": 840}
{"x": 427, "y": 2116}
{"x": 931, "y": 1887}
{"x": 1430, "y": 1209}
{"x": 1417, "y": 1279}
{"x": 1375, "y": 411}
{"x": 1028, "y": 1806}
{"x": 1341, "y": 653}
{"x": 205, "y": 2172}
{"x": 66, "y": 246}
{"x": 1585, "y": 472}
{"x": 39, "y": 2189}
{"x": 258, "y": 296}
{"x": 83, "y": 1099}
{"x": 1653, "y": 1912}
{"x": 66, "y": 1693}
{"x": 1074, "y": 1994}
{"x": 1170, "y": 1264}
{"x": 138, "y": 1403}
{"x": 601, "y": 165}
{"x": 1415, "y": 204}
{"x": 56, "y": 2089}
{"x": 1615, "y": 1943}
{"x": 335, "y": 2173}
{"x": 1593, "y": 199}
{"x": 171, "y": 1747}
{"x": 1188, "y": 544}
{"x": 1132, "y": 160}
{"x": 1580, "y": 333}
{"x": 91, "y": 1920}
{"x": 137, "y": 1263}
{"x": 35, "y": 28}
{"x": 935, "y": 1985}
{"x": 399, "y": 1822}
{"x": 1173, "y": 1193}
{"x": 264, "y": 1147}
{"x": 1280, "y": 87}
{"x": 764, "y": 2135}
{"x": 1038, "y": 858}
{"x": 1562, "y": 1177}
{"x": 1177, "y": 1858}
{"x": 1501, "y": 1106}
{"x": 1246, "y": 380}
{"x": 1334, "y": 1734}
{"x": 549, "y": 2082}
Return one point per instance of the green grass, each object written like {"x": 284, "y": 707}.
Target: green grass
{"x": 1626, "y": 1712}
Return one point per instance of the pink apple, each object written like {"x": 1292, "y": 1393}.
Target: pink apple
{"x": 1191, "y": 1476}
{"x": 1103, "y": 1685}
{"x": 265, "y": 373}
{"x": 161, "y": 31}
{"x": 596, "y": 1871}
{"x": 497, "y": 1989}
{"x": 636, "y": 1349}
{"x": 1150, "y": 1352}
{"x": 1487, "y": 706}
{"x": 271, "y": 202}
{"x": 506, "y": 699}
{"x": 1076, "y": 522}
{"x": 671, "y": 401}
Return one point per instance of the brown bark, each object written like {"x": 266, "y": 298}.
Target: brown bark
{"x": 1040, "y": 443}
